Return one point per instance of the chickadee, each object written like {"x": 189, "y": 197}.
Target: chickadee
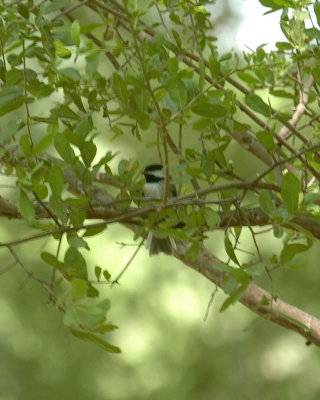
{"x": 155, "y": 187}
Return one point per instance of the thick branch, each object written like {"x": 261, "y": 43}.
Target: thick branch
{"x": 255, "y": 298}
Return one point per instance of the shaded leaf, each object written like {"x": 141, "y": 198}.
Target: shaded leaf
{"x": 266, "y": 139}
{"x": 266, "y": 203}
{"x": 78, "y": 288}
{"x": 52, "y": 260}
{"x": 257, "y": 104}
{"x": 211, "y": 217}
{"x": 234, "y": 297}
{"x": 90, "y": 337}
{"x": 120, "y": 87}
{"x": 290, "y": 250}
{"x": 230, "y": 250}
{"x": 11, "y": 98}
{"x": 290, "y": 191}
{"x": 11, "y": 129}
{"x": 26, "y": 206}
{"x": 75, "y": 263}
{"x": 210, "y": 110}
{"x": 63, "y": 148}
{"x": 42, "y": 144}
{"x": 56, "y": 181}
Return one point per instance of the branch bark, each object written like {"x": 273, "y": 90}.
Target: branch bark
{"x": 255, "y": 298}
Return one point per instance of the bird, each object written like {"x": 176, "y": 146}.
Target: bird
{"x": 154, "y": 188}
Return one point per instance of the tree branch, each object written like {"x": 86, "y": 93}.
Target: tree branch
{"x": 257, "y": 299}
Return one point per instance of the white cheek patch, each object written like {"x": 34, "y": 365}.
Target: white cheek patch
{"x": 158, "y": 173}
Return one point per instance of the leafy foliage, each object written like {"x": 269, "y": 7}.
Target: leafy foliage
{"x": 154, "y": 73}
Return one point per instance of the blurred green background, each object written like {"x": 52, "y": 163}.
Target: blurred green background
{"x": 169, "y": 350}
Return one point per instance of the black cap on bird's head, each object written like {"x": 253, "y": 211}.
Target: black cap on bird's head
{"x": 154, "y": 173}
{"x": 153, "y": 167}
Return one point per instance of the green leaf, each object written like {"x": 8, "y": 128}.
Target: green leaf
{"x": 316, "y": 8}
{"x": 211, "y": 217}
{"x": 257, "y": 104}
{"x": 290, "y": 250}
{"x": 173, "y": 65}
{"x": 75, "y": 32}
{"x": 23, "y": 10}
{"x": 283, "y": 46}
{"x": 266, "y": 203}
{"x": 97, "y": 272}
{"x": 65, "y": 112}
{"x": 286, "y": 3}
{"x": 120, "y": 87}
{"x": 224, "y": 268}
{"x": 13, "y": 76}
{"x": 214, "y": 67}
{"x": 234, "y": 297}
{"x": 40, "y": 190}
{"x": 76, "y": 241}
{"x": 42, "y": 144}
{"x": 83, "y": 128}
{"x": 71, "y": 318}
{"x": 11, "y": 129}
{"x": 11, "y": 98}
{"x": 61, "y": 50}
{"x": 78, "y": 288}
{"x": 193, "y": 251}
{"x": 230, "y": 250}
{"x": 246, "y": 77}
{"x": 90, "y": 337}
{"x": 59, "y": 207}
{"x": 210, "y": 110}
{"x": 77, "y": 216}
{"x": 179, "y": 94}
{"x": 94, "y": 231}
{"x": 141, "y": 99}
{"x": 266, "y": 139}
{"x": 75, "y": 263}
{"x": 56, "y": 181}
{"x": 270, "y": 3}
{"x": 88, "y": 151}
{"x": 316, "y": 72}
{"x": 256, "y": 269}
{"x": 176, "y": 37}
{"x": 281, "y": 93}
{"x": 52, "y": 260}
{"x": 290, "y": 191}
{"x": 63, "y": 148}
{"x": 25, "y": 145}
{"x": 106, "y": 275}
{"x": 26, "y": 206}
{"x": 92, "y": 291}
{"x": 106, "y": 328}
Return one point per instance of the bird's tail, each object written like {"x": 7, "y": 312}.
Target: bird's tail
{"x": 156, "y": 245}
